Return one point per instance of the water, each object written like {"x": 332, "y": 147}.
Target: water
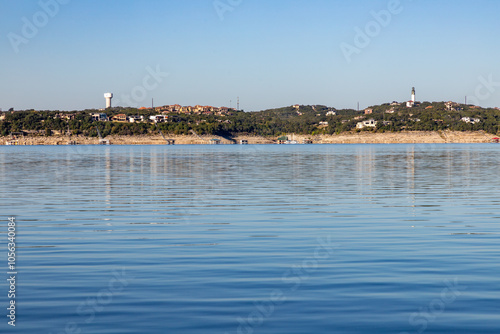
{"x": 253, "y": 239}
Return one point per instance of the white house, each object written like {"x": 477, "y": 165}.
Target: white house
{"x": 470, "y": 120}
{"x": 371, "y": 123}
{"x": 158, "y": 118}
{"x": 99, "y": 117}
{"x": 134, "y": 119}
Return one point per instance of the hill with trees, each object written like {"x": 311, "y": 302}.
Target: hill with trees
{"x": 306, "y": 120}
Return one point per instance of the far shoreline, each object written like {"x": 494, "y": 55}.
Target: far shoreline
{"x": 363, "y": 137}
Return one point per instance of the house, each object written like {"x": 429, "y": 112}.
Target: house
{"x": 470, "y": 120}
{"x": 451, "y": 106}
{"x": 410, "y": 104}
{"x": 198, "y": 109}
{"x": 158, "y": 118}
{"x": 331, "y": 113}
{"x": 65, "y": 116}
{"x": 186, "y": 110}
{"x": 371, "y": 123}
{"x": 99, "y": 117}
{"x": 282, "y": 139}
{"x": 215, "y": 141}
{"x": 368, "y": 111}
{"x": 119, "y": 118}
{"x": 296, "y": 106}
{"x": 323, "y": 123}
{"x": 136, "y": 119}
{"x": 390, "y": 111}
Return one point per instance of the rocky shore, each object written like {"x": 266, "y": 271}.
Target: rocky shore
{"x": 343, "y": 138}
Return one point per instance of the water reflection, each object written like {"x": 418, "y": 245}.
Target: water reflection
{"x": 207, "y": 231}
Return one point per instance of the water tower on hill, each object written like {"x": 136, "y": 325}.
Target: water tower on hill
{"x": 108, "y": 97}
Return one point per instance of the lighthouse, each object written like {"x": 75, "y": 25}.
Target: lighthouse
{"x": 411, "y": 103}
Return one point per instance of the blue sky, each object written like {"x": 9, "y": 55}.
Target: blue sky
{"x": 270, "y": 53}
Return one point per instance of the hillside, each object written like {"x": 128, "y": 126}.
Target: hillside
{"x": 301, "y": 120}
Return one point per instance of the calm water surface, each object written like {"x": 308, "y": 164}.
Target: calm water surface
{"x": 253, "y": 239}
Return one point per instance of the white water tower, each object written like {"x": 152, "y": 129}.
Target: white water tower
{"x": 108, "y": 97}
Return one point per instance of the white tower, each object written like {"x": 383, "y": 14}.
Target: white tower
{"x": 413, "y": 95}
{"x": 108, "y": 97}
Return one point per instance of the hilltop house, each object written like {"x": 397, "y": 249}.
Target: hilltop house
{"x": 136, "y": 118}
{"x": 371, "y": 123}
{"x": 158, "y": 118}
{"x": 99, "y": 117}
{"x": 119, "y": 118}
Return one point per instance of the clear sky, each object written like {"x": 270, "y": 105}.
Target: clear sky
{"x": 66, "y": 54}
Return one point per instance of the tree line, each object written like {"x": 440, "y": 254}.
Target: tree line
{"x": 307, "y": 120}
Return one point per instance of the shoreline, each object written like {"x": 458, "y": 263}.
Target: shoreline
{"x": 413, "y": 137}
